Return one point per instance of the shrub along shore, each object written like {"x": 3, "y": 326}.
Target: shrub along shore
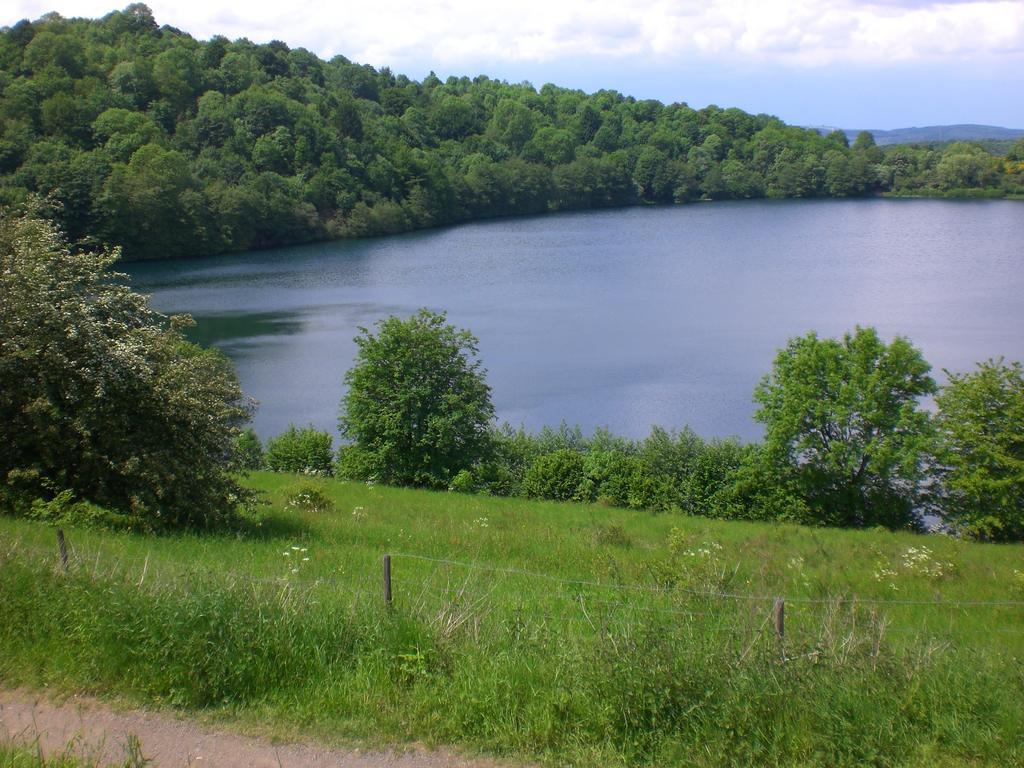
{"x": 847, "y": 442}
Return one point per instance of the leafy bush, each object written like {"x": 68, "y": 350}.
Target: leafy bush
{"x": 355, "y": 464}
{"x": 511, "y": 453}
{"x": 643, "y": 489}
{"x": 306, "y": 450}
{"x": 599, "y": 467}
{"x": 667, "y": 471}
{"x": 557, "y": 476}
{"x": 464, "y": 482}
{"x": 757, "y": 490}
{"x": 671, "y": 454}
{"x": 623, "y": 481}
{"x": 713, "y": 469}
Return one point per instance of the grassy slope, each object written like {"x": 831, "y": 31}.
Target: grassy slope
{"x": 535, "y": 664}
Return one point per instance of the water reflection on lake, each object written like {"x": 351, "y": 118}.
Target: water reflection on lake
{"x": 623, "y": 318}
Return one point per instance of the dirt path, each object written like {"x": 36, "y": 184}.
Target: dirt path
{"x": 101, "y": 734}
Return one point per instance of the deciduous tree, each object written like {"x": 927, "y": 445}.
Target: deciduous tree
{"x": 843, "y": 422}
{"x": 417, "y": 407}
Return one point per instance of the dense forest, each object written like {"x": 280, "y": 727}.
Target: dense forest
{"x": 140, "y": 136}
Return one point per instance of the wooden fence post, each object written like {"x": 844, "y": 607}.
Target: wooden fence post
{"x": 779, "y": 616}
{"x": 63, "y": 547}
{"x": 387, "y": 580}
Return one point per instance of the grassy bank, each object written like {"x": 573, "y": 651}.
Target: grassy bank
{"x": 567, "y": 633}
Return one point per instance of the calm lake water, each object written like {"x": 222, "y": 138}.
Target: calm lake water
{"x": 624, "y": 318}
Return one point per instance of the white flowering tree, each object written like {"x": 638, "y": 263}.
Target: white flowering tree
{"x": 102, "y": 396}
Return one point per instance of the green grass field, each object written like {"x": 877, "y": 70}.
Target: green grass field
{"x": 570, "y": 634}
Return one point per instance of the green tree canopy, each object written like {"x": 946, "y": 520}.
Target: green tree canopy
{"x": 967, "y": 165}
{"x": 417, "y": 407}
{"x": 102, "y": 396}
{"x": 981, "y": 450}
{"x": 842, "y": 420}
{"x": 179, "y": 146}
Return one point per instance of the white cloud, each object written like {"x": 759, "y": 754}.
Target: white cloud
{"x": 448, "y": 33}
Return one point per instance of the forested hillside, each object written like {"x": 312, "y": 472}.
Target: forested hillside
{"x": 143, "y": 137}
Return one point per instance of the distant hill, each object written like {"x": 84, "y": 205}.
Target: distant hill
{"x": 936, "y": 134}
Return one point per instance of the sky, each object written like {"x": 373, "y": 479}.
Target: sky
{"x": 842, "y": 63}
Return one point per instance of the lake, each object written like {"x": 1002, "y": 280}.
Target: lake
{"x": 624, "y": 318}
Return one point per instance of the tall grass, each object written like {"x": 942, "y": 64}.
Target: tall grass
{"x": 73, "y": 755}
{"x": 568, "y": 633}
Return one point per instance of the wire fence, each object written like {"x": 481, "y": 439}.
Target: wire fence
{"x": 706, "y": 593}
{"x": 596, "y": 602}
{"x": 462, "y": 593}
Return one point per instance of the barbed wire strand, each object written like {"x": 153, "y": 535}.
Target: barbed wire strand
{"x": 580, "y": 618}
{"x": 707, "y": 593}
{"x": 710, "y": 594}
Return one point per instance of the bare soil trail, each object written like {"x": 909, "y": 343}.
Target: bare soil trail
{"x": 100, "y": 734}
